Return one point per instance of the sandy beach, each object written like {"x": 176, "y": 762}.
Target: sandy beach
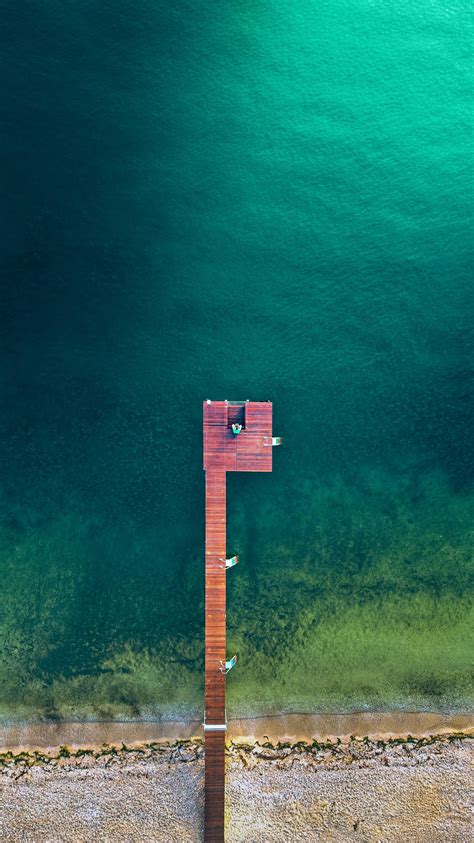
{"x": 376, "y": 776}
{"x": 358, "y": 790}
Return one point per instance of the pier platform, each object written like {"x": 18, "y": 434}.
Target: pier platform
{"x": 249, "y": 449}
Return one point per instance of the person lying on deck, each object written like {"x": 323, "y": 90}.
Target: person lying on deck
{"x": 236, "y": 428}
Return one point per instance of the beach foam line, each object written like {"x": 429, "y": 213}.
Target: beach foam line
{"x": 376, "y": 725}
{"x": 286, "y": 728}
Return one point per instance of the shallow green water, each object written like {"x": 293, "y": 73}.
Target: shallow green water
{"x": 262, "y": 200}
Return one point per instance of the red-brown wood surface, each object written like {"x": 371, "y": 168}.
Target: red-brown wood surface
{"x": 215, "y": 653}
{"x": 215, "y": 596}
{"x": 250, "y": 450}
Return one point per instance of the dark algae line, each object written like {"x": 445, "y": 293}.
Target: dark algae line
{"x": 271, "y": 200}
{"x": 192, "y": 750}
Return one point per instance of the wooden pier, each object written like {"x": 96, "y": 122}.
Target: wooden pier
{"x": 224, "y": 450}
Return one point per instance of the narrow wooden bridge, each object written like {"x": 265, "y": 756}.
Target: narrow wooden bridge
{"x": 237, "y": 437}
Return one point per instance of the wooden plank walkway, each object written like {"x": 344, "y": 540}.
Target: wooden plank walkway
{"x": 250, "y": 450}
{"x": 215, "y": 653}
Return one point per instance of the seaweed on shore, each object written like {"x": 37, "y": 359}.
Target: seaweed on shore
{"x": 190, "y": 750}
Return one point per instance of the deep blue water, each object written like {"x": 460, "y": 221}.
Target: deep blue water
{"x": 248, "y": 200}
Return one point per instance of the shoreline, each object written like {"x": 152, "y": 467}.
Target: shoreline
{"x": 415, "y": 790}
{"x": 289, "y": 728}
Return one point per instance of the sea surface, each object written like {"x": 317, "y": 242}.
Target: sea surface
{"x": 256, "y": 199}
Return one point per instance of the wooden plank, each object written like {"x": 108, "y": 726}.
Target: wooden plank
{"x": 252, "y": 454}
{"x": 258, "y": 417}
{"x": 215, "y": 653}
{"x": 214, "y": 787}
{"x": 222, "y": 452}
{"x": 215, "y": 631}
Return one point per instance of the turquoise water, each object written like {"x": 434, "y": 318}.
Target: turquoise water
{"x": 248, "y": 200}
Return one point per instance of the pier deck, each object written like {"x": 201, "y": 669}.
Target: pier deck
{"x": 250, "y": 450}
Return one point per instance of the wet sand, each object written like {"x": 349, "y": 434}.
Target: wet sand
{"x": 48, "y": 735}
